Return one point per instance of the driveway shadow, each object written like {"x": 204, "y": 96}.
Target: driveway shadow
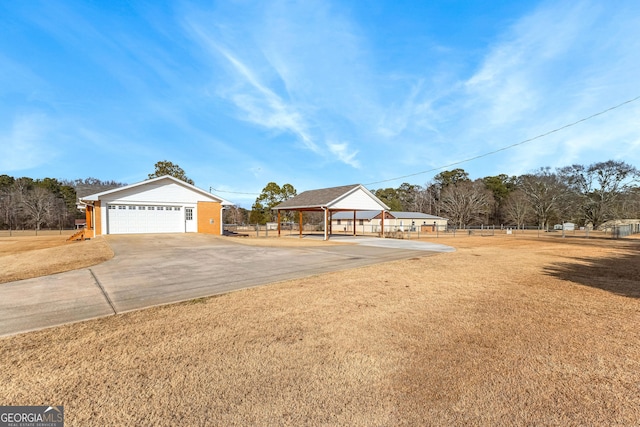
{"x": 618, "y": 274}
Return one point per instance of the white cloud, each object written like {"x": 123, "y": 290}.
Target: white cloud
{"x": 291, "y": 74}
{"x": 563, "y": 62}
{"x": 518, "y": 72}
{"x": 261, "y": 104}
{"x": 24, "y": 145}
{"x": 321, "y": 57}
{"x": 343, "y": 153}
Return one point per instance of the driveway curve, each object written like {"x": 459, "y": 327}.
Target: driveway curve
{"x": 150, "y": 270}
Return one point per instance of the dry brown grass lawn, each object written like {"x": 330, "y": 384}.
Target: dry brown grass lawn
{"x": 505, "y": 331}
{"x": 24, "y": 257}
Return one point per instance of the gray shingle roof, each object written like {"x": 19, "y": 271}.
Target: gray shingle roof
{"x": 315, "y": 198}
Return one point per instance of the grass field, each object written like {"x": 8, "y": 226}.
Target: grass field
{"x": 24, "y": 255}
{"x": 505, "y": 331}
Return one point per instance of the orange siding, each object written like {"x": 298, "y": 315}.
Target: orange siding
{"x": 97, "y": 218}
{"x": 209, "y": 217}
{"x": 88, "y": 215}
{"x": 87, "y": 232}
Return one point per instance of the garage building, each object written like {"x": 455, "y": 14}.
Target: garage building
{"x": 159, "y": 205}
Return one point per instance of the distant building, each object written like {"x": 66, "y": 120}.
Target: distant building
{"x": 369, "y": 221}
{"x": 568, "y": 226}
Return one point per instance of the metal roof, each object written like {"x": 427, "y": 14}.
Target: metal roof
{"x": 369, "y": 215}
{"x": 414, "y": 215}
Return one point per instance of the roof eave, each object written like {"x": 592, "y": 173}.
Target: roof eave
{"x": 95, "y": 197}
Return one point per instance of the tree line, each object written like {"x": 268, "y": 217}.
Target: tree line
{"x": 584, "y": 195}
{"x": 27, "y": 203}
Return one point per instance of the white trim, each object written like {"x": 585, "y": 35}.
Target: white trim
{"x": 98, "y": 196}
{"x": 355, "y": 189}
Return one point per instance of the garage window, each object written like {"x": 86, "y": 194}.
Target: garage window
{"x": 151, "y": 208}
{"x": 160, "y": 208}
{"x": 122, "y": 207}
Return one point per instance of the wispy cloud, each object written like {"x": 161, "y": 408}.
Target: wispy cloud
{"x": 279, "y": 83}
{"x": 343, "y": 153}
{"x": 552, "y": 67}
{"x": 364, "y": 91}
{"x": 519, "y": 72}
{"x": 24, "y": 145}
{"x": 261, "y": 105}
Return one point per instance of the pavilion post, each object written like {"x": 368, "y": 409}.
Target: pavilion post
{"x": 326, "y": 224}
{"x": 354, "y": 223}
{"x": 382, "y": 224}
{"x": 300, "y": 223}
{"x": 330, "y": 223}
{"x": 278, "y": 222}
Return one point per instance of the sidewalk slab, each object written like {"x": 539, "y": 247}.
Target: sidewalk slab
{"x": 47, "y": 301}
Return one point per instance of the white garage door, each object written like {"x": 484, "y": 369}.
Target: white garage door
{"x": 133, "y": 219}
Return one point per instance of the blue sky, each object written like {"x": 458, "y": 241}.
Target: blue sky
{"x": 314, "y": 93}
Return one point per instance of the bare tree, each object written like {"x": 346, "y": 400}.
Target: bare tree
{"x": 517, "y": 208}
{"x": 235, "y": 215}
{"x": 428, "y": 200}
{"x": 9, "y": 202}
{"x": 600, "y": 188}
{"x": 545, "y": 192}
{"x": 424, "y": 200}
{"x": 630, "y": 204}
{"x": 39, "y": 204}
{"x": 87, "y": 186}
{"x": 466, "y": 202}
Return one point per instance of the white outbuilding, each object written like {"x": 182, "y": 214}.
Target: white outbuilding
{"x": 159, "y": 205}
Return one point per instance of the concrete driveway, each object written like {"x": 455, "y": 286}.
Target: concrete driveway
{"x": 149, "y": 270}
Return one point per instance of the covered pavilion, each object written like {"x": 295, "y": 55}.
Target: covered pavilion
{"x": 329, "y": 200}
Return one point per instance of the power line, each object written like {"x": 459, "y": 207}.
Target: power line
{"x": 509, "y": 146}
{"x": 542, "y": 135}
{"x": 211, "y": 189}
